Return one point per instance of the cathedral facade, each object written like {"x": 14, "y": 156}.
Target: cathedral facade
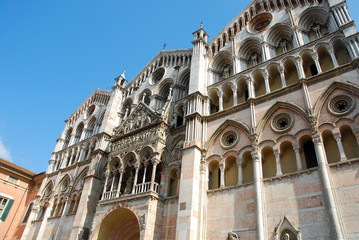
{"x": 251, "y": 135}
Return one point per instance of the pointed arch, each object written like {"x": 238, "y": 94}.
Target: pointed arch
{"x": 48, "y": 187}
{"x": 130, "y": 158}
{"x": 326, "y": 94}
{"x": 277, "y": 106}
{"x": 63, "y": 179}
{"x": 80, "y": 177}
{"x": 223, "y": 126}
{"x": 286, "y": 227}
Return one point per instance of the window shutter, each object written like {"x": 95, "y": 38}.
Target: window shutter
{"x": 6, "y": 210}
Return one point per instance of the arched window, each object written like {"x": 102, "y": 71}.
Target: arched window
{"x": 231, "y": 171}
{"x": 247, "y": 168}
{"x": 349, "y": 141}
{"x": 213, "y": 175}
{"x": 331, "y": 147}
{"x": 308, "y": 151}
{"x": 67, "y": 138}
{"x": 72, "y": 204}
{"x": 287, "y": 158}
{"x": 90, "y": 128}
{"x": 78, "y": 133}
{"x": 325, "y": 60}
{"x": 268, "y": 163}
{"x": 173, "y": 183}
{"x": 290, "y": 72}
{"x": 341, "y": 53}
{"x": 309, "y": 65}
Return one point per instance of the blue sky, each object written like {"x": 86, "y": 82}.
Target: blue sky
{"x": 53, "y": 54}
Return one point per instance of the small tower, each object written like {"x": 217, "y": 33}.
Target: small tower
{"x": 111, "y": 119}
{"x": 192, "y": 195}
{"x": 121, "y": 80}
{"x": 199, "y": 60}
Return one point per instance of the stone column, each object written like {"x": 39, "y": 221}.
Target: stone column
{"x": 51, "y": 167}
{"x": 113, "y": 181}
{"x": 235, "y": 98}
{"x": 221, "y": 168}
{"x": 265, "y": 51}
{"x": 298, "y": 40}
{"x": 316, "y": 61}
{"x": 121, "y": 170}
{"x": 277, "y": 161}
{"x": 338, "y": 139}
{"x": 258, "y": 189}
{"x": 68, "y": 159}
{"x": 83, "y": 152}
{"x": 299, "y": 64}
{"x": 137, "y": 167}
{"x": 92, "y": 146}
{"x": 107, "y": 175}
{"x": 332, "y": 56}
{"x": 220, "y": 99}
{"x": 266, "y": 81}
{"x": 334, "y": 215}
{"x": 282, "y": 76}
{"x": 240, "y": 177}
{"x": 306, "y": 96}
{"x": 297, "y": 156}
{"x": 144, "y": 172}
{"x": 250, "y": 88}
{"x": 77, "y": 155}
{"x": 155, "y": 162}
{"x": 184, "y": 108}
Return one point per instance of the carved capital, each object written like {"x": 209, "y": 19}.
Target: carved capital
{"x": 317, "y": 140}
{"x": 255, "y": 156}
{"x": 155, "y": 161}
{"x": 295, "y": 146}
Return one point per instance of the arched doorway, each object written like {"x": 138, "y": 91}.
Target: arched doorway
{"x": 120, "y": 224}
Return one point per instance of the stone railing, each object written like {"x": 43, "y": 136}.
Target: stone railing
{"x": 139, "y": 188}
{"x": 109, "y": 195}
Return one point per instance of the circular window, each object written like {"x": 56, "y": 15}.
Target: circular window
{"x": 283, "y": 122}
{"x": 65, "y": 185}
{"x": 341, "y": 105}
{"x": 260, "y": 22}
{"x": 158, "y": 75}
{"x": 229, "y": 139}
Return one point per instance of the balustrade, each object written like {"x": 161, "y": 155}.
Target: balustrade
{"x": 139, "y": 188}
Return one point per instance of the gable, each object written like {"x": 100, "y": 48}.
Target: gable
{"x": 141, "y": 117}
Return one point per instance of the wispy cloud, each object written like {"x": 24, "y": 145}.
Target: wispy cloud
{"x": 4, "y": 152}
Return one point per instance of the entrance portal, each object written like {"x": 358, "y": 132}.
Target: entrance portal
{"x": 120, "y": 224}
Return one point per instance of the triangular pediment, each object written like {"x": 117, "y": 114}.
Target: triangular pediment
{"x": 141, "y": 117}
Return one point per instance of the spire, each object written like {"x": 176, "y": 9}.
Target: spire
{"x": 121, "y": 80}
{"x": 123, "y": 74}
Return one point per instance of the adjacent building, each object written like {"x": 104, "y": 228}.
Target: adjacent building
{"x": 18, "y": 189}
{"x": 252, "y": 134}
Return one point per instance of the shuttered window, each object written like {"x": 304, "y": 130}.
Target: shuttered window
{"x": 5, "y": 206}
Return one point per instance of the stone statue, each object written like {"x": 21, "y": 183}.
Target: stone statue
{"x": 232, "y": 236}
{"x": 226, "y": 71}
{"x": 286, "y": 236}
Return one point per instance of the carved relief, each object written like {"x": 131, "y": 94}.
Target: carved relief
{"x": 232, "y": 236}
{"x": 141, "y": 117}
